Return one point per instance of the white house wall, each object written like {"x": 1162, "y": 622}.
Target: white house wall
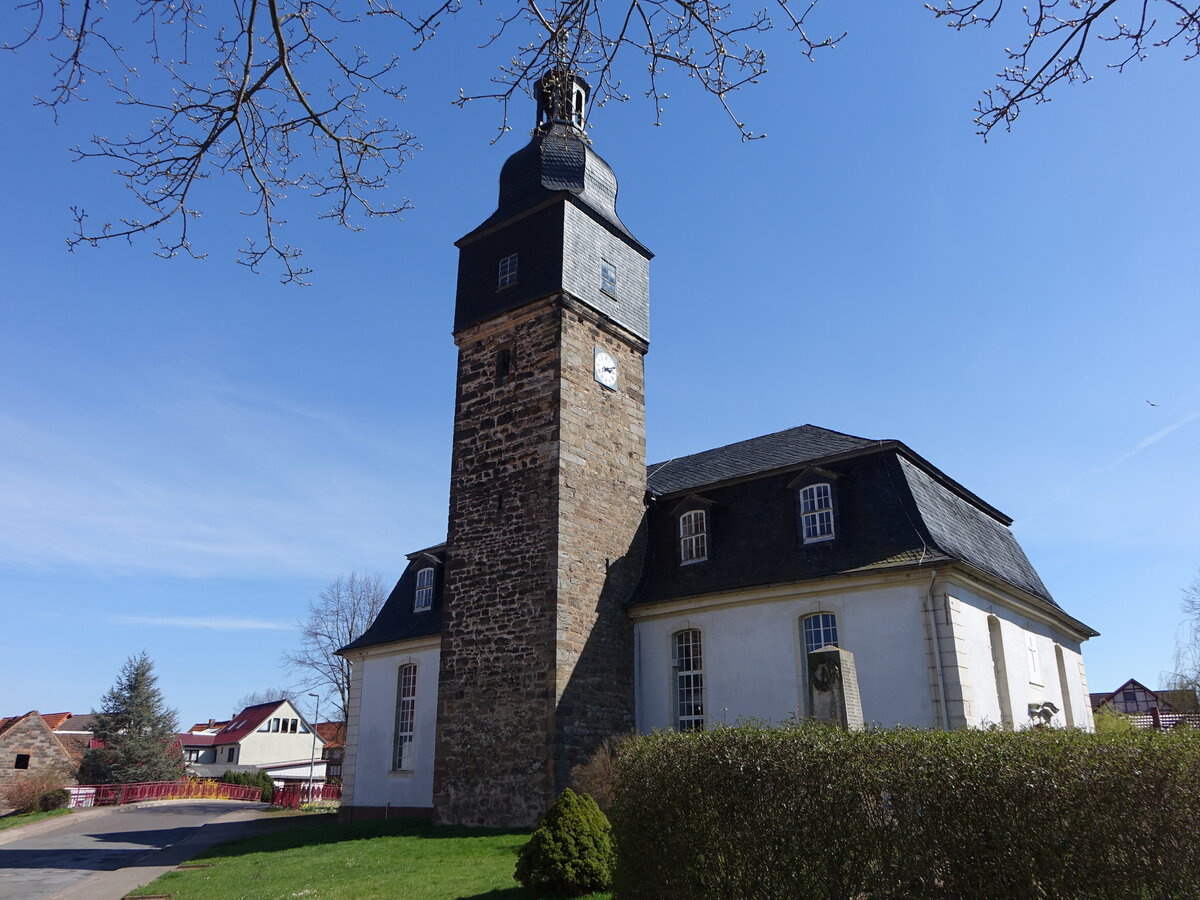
{"x": 263, "y": 747}
{"x": 752, "y": 653}
{"x": 373, "y": 781}
{"x": 973, "y": 608}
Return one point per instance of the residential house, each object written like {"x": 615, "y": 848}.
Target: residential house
{"x": 1151, "y": 709}
{"x": 273, "y": 737}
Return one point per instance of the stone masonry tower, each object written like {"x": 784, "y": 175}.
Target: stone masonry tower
{"x": 547, "y": 479}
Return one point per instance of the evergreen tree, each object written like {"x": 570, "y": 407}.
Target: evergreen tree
{"x": 134, "y": 731}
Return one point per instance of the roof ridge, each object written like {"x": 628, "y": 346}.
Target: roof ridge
{"x": 761, "y": 437}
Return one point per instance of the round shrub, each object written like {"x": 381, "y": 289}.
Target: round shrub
{"x": 571, "y": 850}
{"x": 55, "y": 799}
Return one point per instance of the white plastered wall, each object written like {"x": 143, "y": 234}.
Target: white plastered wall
{"x": 753, "y": 655}
{"x": 263, "y": 747}
{"x": 1018, "y": 625}
{"x": 369, "y": 778}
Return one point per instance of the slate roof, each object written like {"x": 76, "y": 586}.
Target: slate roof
{"x": 791, "y": 447}
{"x": 963, "y": 531}
{"x": 558, "y": 161}
{"x": 896, "y": 510}
{"x": 397, "y": 620}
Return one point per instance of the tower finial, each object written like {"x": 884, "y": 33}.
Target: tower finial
{"x": 561, "y": 94}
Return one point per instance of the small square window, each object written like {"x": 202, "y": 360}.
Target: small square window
{"x": 507, "y": 271}
{"x": 22, "y": 761}
{"x": 608, "y": 278}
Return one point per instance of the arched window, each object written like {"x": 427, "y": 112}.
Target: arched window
{"x": 816, "y": 512}
{"x": 423, "y": 598}
{"x": 819, "y": 631}
{"x": 688, "y": 662}
{"x": 406, "y": 714}
{"x": 693, "y": 536}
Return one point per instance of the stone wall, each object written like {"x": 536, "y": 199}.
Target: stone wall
{"x": 547, "y": 479}
{"x": 31, "y": 737}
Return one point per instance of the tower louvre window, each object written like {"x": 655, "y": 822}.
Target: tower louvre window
{"x": 688, "y": 661}
{"x": 608, "y": 278}
{"x": 423, "y": 599}
{"x": 507, "y": 273}
{"x": 406, "y": 710}
{"x": 816, "y": 512}
{"x": 693, "y": 537}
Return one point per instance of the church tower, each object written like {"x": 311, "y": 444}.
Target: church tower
{"x": 547, "y": 479}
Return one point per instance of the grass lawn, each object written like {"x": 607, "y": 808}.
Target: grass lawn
{"x": 361, "y": 860}
{"x": 12, "y": 821}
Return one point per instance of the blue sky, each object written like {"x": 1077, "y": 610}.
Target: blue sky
{"x": 189, "y": 452}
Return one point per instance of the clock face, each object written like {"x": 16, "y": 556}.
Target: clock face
{"x": 605, "y": 371}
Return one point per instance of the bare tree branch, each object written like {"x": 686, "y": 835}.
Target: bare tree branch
{"x": 1061, "y": 36}
{"x": 281, "y": 102}
{"x": 1186, "y": 674}
{"x": 343, "y": 612}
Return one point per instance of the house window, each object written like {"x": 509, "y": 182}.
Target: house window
{"x": 423, "y": 599}
{"x": 507, "y": 272}
{"x": 608, "y": 278}
{"x": 266, "y": 725}
{"x": 816, "y": 512}
{"x": 274, "y": 724}
{"x": 229, "y": 758}
{"x": 406, "y": 708}
{"x": 689, "y": 681}
{"x": 819, "y": 631}
{"x": 693, "y": 537}
{"x": 292, "y": 729}
{"x": 22, "y": 761}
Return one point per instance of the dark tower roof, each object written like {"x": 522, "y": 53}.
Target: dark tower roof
{"x": 558, "y": 158}
{"x": 555, "y": 230}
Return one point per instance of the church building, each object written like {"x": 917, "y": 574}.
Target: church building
{"x": 581, "y": 593}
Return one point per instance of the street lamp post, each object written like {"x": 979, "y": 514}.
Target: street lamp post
{"x": 312, "y": 760}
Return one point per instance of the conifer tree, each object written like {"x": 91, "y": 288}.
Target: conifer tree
{"x": 134, "y": 731}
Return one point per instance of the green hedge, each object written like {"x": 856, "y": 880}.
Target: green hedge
{"x": 258, "y": 779}
{"x": 815, "y": 812}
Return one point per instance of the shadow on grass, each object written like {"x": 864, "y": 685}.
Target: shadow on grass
{"x": 313, "y": 831}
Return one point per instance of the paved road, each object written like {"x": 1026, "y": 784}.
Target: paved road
{"x": 102, "y": 854}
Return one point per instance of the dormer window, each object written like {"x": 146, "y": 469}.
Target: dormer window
{"x": 816, "y": 512}
{"x": 693, "y": 537}
{"x": 423, "y": 599}
{"x": 608, "y": 278}
{"x": 507, "y": 272}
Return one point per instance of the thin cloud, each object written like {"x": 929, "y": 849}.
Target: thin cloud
{"x": 212, "y": 623}
{"x": 1148, "y": 442}
{"x": 1073, "y": 486}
